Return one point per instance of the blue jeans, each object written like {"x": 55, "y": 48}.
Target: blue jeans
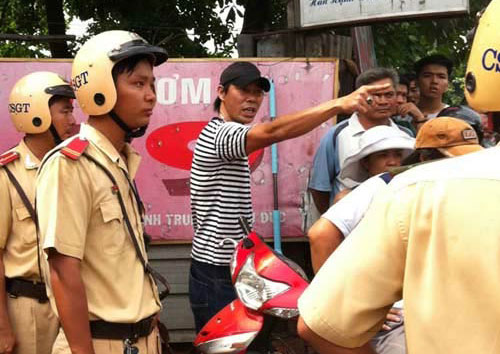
{"x": 210, "y": 289}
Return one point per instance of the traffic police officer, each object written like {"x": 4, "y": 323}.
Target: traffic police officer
{"x": 89, "y": 209}
{"x": 40, "y": 105}
{"x": 430, "y": 236}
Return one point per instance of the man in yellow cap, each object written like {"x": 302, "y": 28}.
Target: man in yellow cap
{"x": 40, "y": 106}
{"x": 90, "y": 213}
{"x": 431, "y": 238}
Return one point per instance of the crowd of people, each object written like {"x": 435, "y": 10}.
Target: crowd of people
{"x": 426, "y": 233}
{"x": 395, "y": 224}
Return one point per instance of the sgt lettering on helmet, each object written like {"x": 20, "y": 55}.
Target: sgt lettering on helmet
{"x": 79, "y": 80}
{"x": 489, "y": 57}
{"x": 19, "y": 107}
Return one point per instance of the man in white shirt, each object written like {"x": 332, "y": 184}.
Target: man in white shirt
{"x": 343, "y": 137}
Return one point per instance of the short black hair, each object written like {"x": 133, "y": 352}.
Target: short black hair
{"x": 428, "y": 154}
{"x": 371, "y": 75}
{"x": 218, "y": 101}
{"x": 404, "y": 79}
{"x": 128, "y": 64}
{"x": 436, "y": 59}
{"x": 57, "y": 98}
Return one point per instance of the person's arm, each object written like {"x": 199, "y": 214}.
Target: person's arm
{"x": 7, "y": 338}
{"x": 71, "y": 301}
{"x": 292, "y": 125}
{"x": 411, "y": 109}
{"x": 324, "y": 238}
{"x": 323, "y": 172}
{"x": 367, "y": 269}
{"x": 64, "y": 205}
{"x": 323, "y": 346}
{"x": 321, "y": 200}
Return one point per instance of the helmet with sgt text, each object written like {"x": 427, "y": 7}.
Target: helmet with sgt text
{"x": 29, "y": 102}
{"x": 482, "y": 80}
{"x": 92, "y": 78}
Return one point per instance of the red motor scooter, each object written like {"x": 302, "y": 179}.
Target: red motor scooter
{"x": 266, "y": 283}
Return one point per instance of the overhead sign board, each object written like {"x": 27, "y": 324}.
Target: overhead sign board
{"x": 186, "y": 90}
{"x": 335, "y": 12}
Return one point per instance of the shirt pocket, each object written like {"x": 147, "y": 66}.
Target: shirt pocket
{"x": 24, "y": 218}
{"x": 113, "y": 234}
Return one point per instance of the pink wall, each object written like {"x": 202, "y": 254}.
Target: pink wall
{"x": 186, "y": 90}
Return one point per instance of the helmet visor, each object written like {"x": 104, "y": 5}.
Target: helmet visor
{"x": 60, "y": 90}
{"x": 137, "y": 47}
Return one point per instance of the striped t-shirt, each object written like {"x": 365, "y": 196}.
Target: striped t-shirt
{"x": 220, "y": 190}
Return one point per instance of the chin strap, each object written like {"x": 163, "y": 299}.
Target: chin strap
{"x": 55, "y": 135}
{"x": 129, "y": 133}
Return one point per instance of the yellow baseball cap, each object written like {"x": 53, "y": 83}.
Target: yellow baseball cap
{"x": 451, "y": 136}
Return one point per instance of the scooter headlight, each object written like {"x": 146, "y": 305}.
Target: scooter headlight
{"x": 228, "y": 345}
{"x": 254, "y": 290}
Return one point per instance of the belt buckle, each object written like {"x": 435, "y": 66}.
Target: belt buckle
{"x": 128, "y": 347}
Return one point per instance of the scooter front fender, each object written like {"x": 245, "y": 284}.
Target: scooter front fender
{"x": 230, "y": 331}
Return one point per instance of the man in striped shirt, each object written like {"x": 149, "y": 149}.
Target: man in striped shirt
{"x": 220, "y": 175}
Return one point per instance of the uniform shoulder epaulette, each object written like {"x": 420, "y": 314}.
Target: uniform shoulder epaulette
{"x": 8, "y": 157}
{"x": 75, "y": 148}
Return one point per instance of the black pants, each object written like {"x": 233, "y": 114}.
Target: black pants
{"x": 210, "y": 289}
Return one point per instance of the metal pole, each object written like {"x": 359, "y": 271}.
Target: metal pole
{"x": 274, "y": 168}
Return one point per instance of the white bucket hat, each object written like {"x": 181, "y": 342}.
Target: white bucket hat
{"x": 375, "y": 139}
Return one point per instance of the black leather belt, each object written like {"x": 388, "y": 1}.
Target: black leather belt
{"x": 21, "y": 287}
{"x": 110, "y": 330}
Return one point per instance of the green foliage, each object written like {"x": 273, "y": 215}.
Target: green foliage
{"x": 401, "y": 44}
{"x": 22, "y": 17}
{"x": 161, "y": 22}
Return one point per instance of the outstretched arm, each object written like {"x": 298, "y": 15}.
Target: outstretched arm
{"x": 292, "y": 125}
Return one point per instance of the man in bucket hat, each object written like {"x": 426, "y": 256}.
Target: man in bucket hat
{"x": 379, "y": 149}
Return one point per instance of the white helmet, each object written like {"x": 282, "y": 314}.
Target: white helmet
{"x": 91, "y": 76}
{"x": 29, "y": 100}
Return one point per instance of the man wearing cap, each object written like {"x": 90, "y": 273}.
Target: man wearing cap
{"x": 338, "y": 142}
{"x": 220, "y": 176}
{"x": 27, "y": 323}
{"x": 431, "y": 237}
{"x": 446, "y": 137}
{"x": 90, "y": 213}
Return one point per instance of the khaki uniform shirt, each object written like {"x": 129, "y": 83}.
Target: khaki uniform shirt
{"x": 433, "y": 236}
{"x": 80, "y": 216}
{"x": 17, "y": 229}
